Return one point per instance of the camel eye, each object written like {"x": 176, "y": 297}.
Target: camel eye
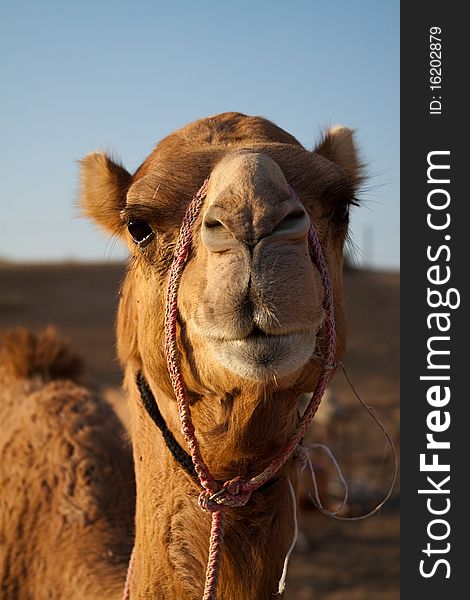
{"x": 340, "y": 213}
{"x": 141, "y": 232}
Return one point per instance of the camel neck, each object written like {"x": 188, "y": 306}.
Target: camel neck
{"x": 150, "y": 403}
{"x": 172, "y": 532}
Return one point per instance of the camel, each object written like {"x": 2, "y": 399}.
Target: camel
{"x": 66, "y": 480}
{"x": 250, "y": 340}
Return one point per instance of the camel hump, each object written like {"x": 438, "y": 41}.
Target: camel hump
{"x": 24, "y": 354}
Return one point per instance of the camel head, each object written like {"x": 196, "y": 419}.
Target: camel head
{"x": 250, "y": 300}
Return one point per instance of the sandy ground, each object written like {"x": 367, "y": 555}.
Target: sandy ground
{"x": 333, "y": 560}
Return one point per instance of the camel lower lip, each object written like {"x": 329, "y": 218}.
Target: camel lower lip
{"x": 260, "y": 356}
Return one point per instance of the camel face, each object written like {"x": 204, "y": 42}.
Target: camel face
{"x": 250, "y": 301}
{"x": 251, "y": 298}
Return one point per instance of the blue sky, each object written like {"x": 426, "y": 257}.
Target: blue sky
{"x": 120, "y": 75}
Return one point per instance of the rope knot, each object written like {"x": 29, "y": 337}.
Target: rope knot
{"x": 233, "y": 493}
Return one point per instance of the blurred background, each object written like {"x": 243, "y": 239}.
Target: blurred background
{"x": 119, "y": 76}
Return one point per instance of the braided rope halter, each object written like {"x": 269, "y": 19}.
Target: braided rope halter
{"x": 216, "y": 496}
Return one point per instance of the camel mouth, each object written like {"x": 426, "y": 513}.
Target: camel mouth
{"x": 261, "y": 356}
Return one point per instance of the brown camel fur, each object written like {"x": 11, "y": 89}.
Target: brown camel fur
{"x": 66, "y": 478}
{"x": 249, "y": 333}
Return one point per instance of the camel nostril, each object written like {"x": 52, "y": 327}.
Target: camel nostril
{"x": 216, "y": 235}
{"x": 213, "y": 223}
{"x": 294, "y": 225}
{"x": 291, "y": 220}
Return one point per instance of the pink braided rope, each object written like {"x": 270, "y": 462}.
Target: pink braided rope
{"x": 182, "y": 249}
{"x": 214, "y": 497}
{"x": 127, "y": 586}
{"x": 215, "y": 555}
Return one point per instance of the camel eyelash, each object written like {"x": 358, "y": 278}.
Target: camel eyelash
{"x": 136, "y": 212}
{"x": 340, "y": 211}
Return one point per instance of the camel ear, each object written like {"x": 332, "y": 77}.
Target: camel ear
{"x": 338, "y": 146}
{"x": 104, "y": 186}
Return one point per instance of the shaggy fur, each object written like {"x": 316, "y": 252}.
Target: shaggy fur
{"x": 66, "y": 478}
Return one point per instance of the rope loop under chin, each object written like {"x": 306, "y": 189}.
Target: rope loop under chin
{"x": 233, "y": 493}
